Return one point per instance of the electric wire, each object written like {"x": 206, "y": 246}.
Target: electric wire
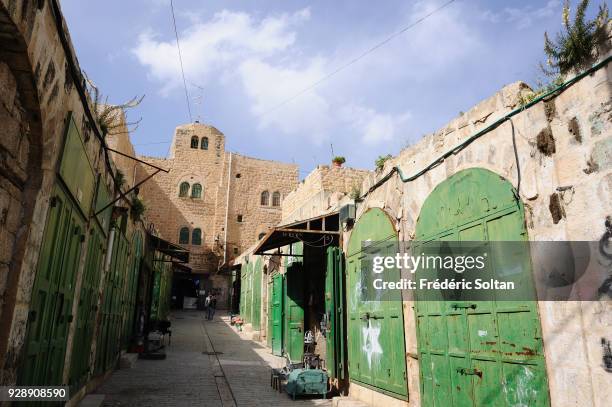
{"x": 356, "y": 59}
{"x": 457, "y": 149}
{"x": 178, "y": 46}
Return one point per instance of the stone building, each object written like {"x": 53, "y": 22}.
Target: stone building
{"x": 500, "y": 171}
{"x": 214, "y": 202}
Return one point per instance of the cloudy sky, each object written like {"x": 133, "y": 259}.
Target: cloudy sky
{"x": 251, "y": 68}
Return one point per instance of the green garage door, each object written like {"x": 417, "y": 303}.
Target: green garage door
{"x": 479, "y": 353}
{"x": 376, "y": 348}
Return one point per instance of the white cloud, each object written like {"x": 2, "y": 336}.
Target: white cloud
{"x": 269, "y": 86}
{"x": 263, "y": 57}
{"x": 374, "y": 127}
{"x": 523, "y": 17}
{"x": 210, "y": 46}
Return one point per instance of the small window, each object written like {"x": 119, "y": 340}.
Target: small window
{"x": 261, "y": 236}
{"x": 196, "y": 191}
{"x": 238, "y": 175}
{"x": 239, "y": 218}
{"x": 184, "y": 236}
{"x": 235, "y": 250}
{"x": 265, "y": 198}
{"x": 204, "y": 145}
{"x": 184, "y": 189}
{"x": 196, "y": 237}
{"x": 276, "y": 199}
{"x": 194, "y": 142}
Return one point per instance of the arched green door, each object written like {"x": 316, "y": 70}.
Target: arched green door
{"x": 376, "y": 348}
{"x": 489, "y": 353}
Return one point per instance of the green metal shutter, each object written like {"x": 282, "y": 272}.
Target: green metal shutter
{"x": 490, "y": 353}
{"x": 376, "y": 347}
{"x": 52, "y": 294}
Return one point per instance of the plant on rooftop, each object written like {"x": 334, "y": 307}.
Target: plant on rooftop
{"x": 338, "y": 160}
{"x": 108, "y": 116}
{"x": 576, "y": 45}
{"x": 381, "y": 160}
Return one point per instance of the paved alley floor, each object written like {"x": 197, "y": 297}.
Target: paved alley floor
{"x": 207, "y": 364}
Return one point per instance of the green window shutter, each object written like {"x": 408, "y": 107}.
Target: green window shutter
{"x": 196, "y": 236}
{"x": 184, "y": 189}
{"x": 184, "y": 236}
{"x": 196, "y": 191}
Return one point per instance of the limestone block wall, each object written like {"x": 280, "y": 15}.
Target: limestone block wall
{"x": 38, "y": 91}
{"x": 564, "y": 149}
{"x": 231, "y": 186}
{"x": 320, "y": 190}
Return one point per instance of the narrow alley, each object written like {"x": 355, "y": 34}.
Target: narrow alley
{"x": 208, "y": 363}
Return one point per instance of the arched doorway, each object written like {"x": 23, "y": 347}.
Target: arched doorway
{"x": 20, "y": 176}
{"x": 376, "y": 347}
{"x": 485, "y": 352}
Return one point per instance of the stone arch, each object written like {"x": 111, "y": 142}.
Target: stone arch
{"x": 21, "y": 172}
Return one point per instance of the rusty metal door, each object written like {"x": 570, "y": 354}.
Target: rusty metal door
{"x": 477, "y": 353}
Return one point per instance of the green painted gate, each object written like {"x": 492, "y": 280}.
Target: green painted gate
{"x": 294, "y": 312}
{"x": 52, "y": 294}
{"x": 482, "y": 352}
{"x": 257, "y": 274}
{"x": 108, "y": 343}
{"x": 376, "y": 347}
{"x": 334, "y": 312}
{"x": 131, "y": 287}
{"x": 270, "y": 307}
{"x": 276, "y": 333}
{"x": 248, "y": 294}
{"x": 87, "y": 309}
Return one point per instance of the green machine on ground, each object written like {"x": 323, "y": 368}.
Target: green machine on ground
{"x": 306, "y": 382}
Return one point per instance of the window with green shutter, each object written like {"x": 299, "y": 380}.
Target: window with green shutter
{"x": 184, "y": 236}
{"x": 196, "y": 191}
{"x": 196, "y": 236}
{"x": 184, "y": 189}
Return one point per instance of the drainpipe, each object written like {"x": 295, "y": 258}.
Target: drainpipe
{"x": 229, "y": 180}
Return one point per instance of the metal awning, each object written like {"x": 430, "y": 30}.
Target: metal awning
{"x": 178, "y": 253}
{"x": 313, "y": 231}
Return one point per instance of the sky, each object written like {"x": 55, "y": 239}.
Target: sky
{"x": 254, "y": 68}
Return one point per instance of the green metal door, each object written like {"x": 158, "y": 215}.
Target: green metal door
{"x": 294, "y": 305}
{"x": 334, "y": 313}
{"x": 248, "y": 294}
{"x": 270, "y": 307}
{"x": 51, "y": 307}
{"x": 132, "y": 287}
{"x": 87, "y": 309}
{"x": 482, "y": 352}
{"x": 277, "y": 314}
{"x": 257, "y": 275}
{"x": 376, "y": 347}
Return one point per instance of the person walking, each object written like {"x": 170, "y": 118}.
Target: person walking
{"x": 212, "y": 306}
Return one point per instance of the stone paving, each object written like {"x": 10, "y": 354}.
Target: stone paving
{"x": 207, "y": 364}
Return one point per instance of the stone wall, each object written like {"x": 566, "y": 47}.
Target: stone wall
{"x": 564, "y": 149}
{"x": 320, "y": 191}
{"x": 232, "y": 185}
{"x": 39, "y": 90}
